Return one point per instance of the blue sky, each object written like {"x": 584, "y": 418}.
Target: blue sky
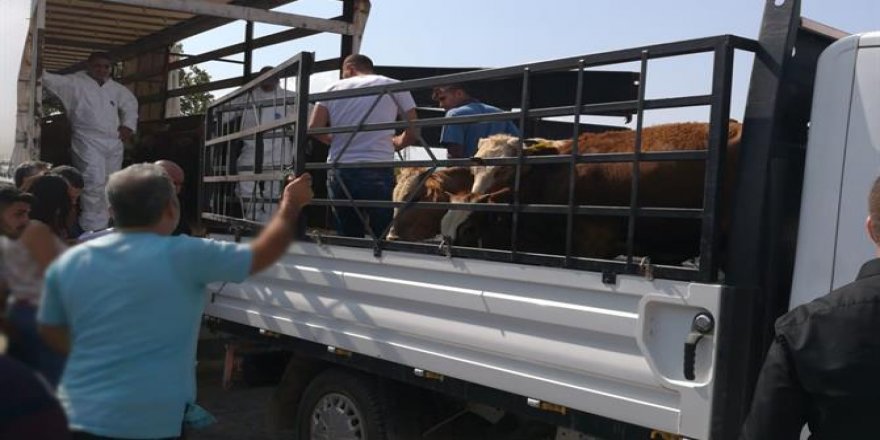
{"x": 494, "y": 33}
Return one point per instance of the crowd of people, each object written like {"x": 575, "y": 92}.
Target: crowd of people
{"x": 83, "y": 322}
{"x": 87, "y": 358}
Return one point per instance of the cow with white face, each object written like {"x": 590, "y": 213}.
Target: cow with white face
{"x": 488, "y": 178}
{"x": 492, "y": 181}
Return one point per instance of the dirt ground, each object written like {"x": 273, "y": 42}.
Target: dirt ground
{"x": 240, "y": 411}
{"x": 241, "y": 414}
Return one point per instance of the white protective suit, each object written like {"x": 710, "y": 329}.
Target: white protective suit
{"x": 95, "y": 112}
{"x": 259, "y": 202}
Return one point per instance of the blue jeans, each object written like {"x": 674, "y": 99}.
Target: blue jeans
{"x": 28, "y": 347}
{"x": 363, "y": 184}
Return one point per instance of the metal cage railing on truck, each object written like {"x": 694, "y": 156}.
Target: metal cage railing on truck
{"x": 221, "y": 176}
{"x": 217, "y": 191}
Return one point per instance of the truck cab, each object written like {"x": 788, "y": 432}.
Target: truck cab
{"x": 842, "y": 163}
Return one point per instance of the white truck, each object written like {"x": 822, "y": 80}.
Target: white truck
{"x": 394, "y": 339}
{"x": 606, "y": 349}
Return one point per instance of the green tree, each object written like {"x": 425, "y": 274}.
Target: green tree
{"x": 196, "y": 103}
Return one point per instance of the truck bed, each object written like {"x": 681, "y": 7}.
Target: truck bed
{"x": 557, "y": 335}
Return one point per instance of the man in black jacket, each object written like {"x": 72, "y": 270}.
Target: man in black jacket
{"x": 823, "y": 368}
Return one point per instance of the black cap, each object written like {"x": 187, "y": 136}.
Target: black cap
{"x": 10, "y": 194}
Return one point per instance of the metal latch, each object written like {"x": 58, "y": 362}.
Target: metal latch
{"x": 425, "y": 374}
{"x": 702, "y": 325}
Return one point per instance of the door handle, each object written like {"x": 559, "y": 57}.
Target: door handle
{"x": 702, "y": 325}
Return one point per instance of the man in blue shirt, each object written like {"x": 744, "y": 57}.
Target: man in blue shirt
{"x": 460, "y": 139}
{"x": 126, "y": 307}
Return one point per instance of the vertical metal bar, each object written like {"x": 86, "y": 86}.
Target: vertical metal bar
{"x": 216, "y": 161}
{"x": 33, "y": 143}
{"x": 227, "y": 151}
{"x": 757, "y": 283}
{"x": 300, "y": 137}
{"x": 572, "y": 166}
{"x": 637, "y": 152}
{"x": 259, "y": 143}
{"x": 523, "y": 118}
{"x": 248, "y": 52}
{"x": 164, "y": 87}
{"x": 719, "y": 116}
{"x": 346, "y": 46}
{"x": 203, "y": 151}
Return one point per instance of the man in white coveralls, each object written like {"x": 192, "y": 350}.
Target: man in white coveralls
{"x": 102, "y": 115}
{"x": 266, "y": 104}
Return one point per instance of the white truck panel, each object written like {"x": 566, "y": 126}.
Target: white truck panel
{"x": 557, "y": 335}
{"x": 862, "y": 164}
{"x": 842, "y": 161}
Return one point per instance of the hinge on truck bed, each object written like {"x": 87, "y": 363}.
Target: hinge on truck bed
{"x": 546, "y": 406}
{"x": 377, "y": 249}
{"x": 338, "y": 351}
{"x": 609, "y": 277}
{"x": 660, "y": 435}
{"x": 264, "y": 332}
{"x": 418, "y": 372}
{"x": 646, "y": 268}
{"x": 445, "y": 247}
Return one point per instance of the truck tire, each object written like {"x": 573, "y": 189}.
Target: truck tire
{"x": 339, "y": 405}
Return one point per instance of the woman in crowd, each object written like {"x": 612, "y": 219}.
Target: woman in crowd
{"x": 26, "y": 260}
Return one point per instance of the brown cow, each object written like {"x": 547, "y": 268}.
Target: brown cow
{"x": 413, "y": 223}
{"x": 669, "y": 184}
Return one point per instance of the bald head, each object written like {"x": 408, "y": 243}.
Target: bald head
{"x": 174, "y": 171}
{"x": 140, "y": 195}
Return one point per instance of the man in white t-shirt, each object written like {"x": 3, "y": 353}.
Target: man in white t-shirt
{"x": 364, "y": 146}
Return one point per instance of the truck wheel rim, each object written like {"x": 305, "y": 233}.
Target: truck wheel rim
{"x": 336, "y": 417}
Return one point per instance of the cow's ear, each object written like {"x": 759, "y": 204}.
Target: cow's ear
{"x": 535, "y": 146}
{"x": 535, "y": 141}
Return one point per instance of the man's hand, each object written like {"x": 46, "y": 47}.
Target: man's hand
{"x": 397, "y": 141}
{"x": 298, "y": 193}
{"x": 125, "y": 133}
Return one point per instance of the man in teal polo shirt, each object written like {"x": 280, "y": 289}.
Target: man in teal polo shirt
{"x": 460, "y": 139}
{"x": 127, "y": 306}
